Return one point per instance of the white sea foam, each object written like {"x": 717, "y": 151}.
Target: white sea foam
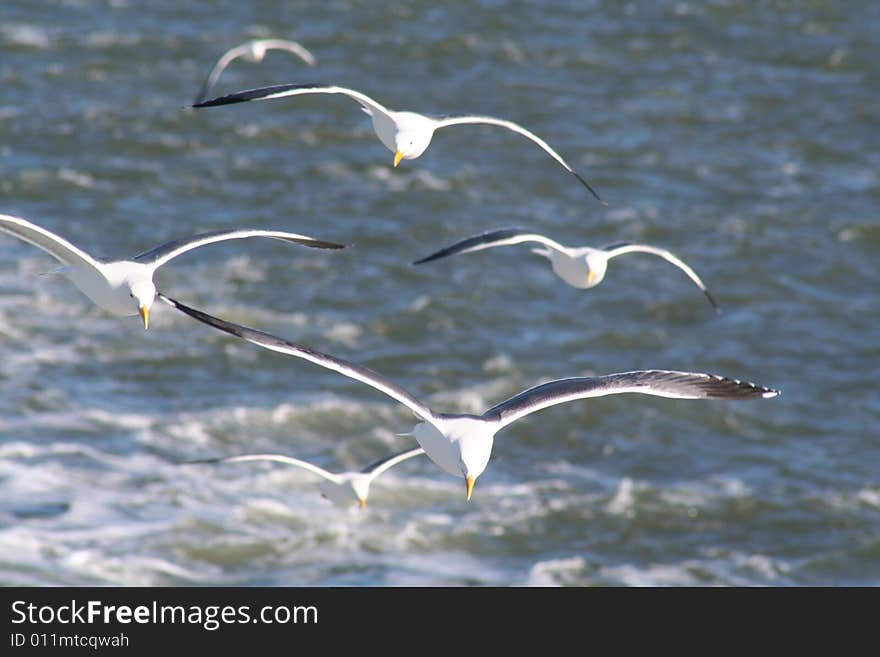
{"x": 24, "y": 34}
{"x": 650, "y": 575}
{"x": 557, "y": 572}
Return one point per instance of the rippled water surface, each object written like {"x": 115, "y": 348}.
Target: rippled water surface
{"x": 742, "y": 136}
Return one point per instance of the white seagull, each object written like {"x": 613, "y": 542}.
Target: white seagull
{"x": 406, "y": 134}
{"x": 461, "y": 444}
{"x": 341, "y": 488}
{"x": 125, "y": 287}
{"x": 581, "y": 267}
{"x": 252, "y": 51}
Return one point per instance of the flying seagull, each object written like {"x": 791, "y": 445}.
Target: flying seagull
{"x": 581, "y": 267}
{"x": 406, "y": 134}
{"x": 461, "y": 444}
{"x": 341, "y": 488}
{"x": 125, "y": 287}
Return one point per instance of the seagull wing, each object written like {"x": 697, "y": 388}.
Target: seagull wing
{"x": 515, "y": 127}
{"x": 661, "y": 383}
{"x": 619, "y": 249}
{"x": 380, "y": 466}
{"x": 219, "y": 67}
{"x": 503, "y": 237}
{"x": 285, "y": 90}
{"x": 290, "y": 46}
{"x": 343, "y": 367}
{"x": 161, "y": 254}
{"x": 278, "y": 458}
{"x": 56, "y": 246}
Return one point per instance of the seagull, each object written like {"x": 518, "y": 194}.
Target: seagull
{"x": 581, "y": 267}
{"x": 125, "y": 287}
{"x": 252, "y": 51}
{"x": 341, "y": 488}
{"x": 461, "y": 444}
{"x": 406, "y": 134}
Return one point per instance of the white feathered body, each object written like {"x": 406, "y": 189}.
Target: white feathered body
{"x": 113, "y": 291}
{"x": 462, "y": 448}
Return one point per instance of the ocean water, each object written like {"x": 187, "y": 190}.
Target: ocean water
{"x": 745, "y": 138}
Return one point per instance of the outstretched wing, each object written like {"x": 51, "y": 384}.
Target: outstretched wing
{"x": 55, "y": 245}
{"x": 515, "y": 127}
{"x": 161, "y": 254}
{"x": 503, "y": 237}
{"x": 285, "y": 90}
{"x": 278, "y": 458}
{"x": 268, "y": 341}
{"x": 661, "y": 383}
{"x": 378, "y": 467}
{"x": 615, "y": 250}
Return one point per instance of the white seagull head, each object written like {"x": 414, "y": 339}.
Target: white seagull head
{"x": 143, "y": 291}
{"x": 597, "y": 265}
{"x": 412, "y": 135}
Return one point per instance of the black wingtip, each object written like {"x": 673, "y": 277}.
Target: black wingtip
{"x": 221, "y": 100}
{"x": 230, "y": 99}
{"x": 429, "y": 258}
{"x": 252, "y": 94}
{"x": 318, "y": 244}
{"x": 587, "y": 185}
{"x": 200, "y": 461}
{"x": 737, "y": 389}
{"x": 712, "y": 301}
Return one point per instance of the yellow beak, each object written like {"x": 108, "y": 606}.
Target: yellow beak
{"x": 145, "y": 315}
{"x": 398, "y": 156}
{"x": 362, "y": 502}
{"x": 470, "y": 486}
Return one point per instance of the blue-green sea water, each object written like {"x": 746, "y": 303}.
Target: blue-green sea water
{"x": 742, "y": 136}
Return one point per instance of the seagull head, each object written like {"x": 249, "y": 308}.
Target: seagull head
{"x": 143, "y": 292}
{"x": 473, "y": 458}
{"x": 256, "y": 51}
{"x": 597, "y": 265}
{"x": 413, "y": 135}
{"x": 360, "y": 486}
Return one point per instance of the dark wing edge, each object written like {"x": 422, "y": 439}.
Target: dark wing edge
{"x": 483, "y": 238}
{"x": 661, "y": 383}
{"x": 254, "y": 94}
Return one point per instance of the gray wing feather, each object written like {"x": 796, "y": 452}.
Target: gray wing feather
{"x": 165, "y": 252}
{"x": 661, "y": 383}
{"x": 273, "y": 343}
{"x": 502, "y": 237}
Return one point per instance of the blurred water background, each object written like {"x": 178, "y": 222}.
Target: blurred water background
{"x": 743, "y": 136}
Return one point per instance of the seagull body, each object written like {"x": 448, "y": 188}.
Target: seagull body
{"x": 126, "y": 287}
{"x": 461, "y": 444}
{"x": 406, "y": 134}
{"x": 581, "y": 267}
{"x": 342, "y": 488}
{"x": 252, "y": 51}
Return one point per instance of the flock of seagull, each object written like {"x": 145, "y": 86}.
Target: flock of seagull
{"x": 460, "y": 444}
